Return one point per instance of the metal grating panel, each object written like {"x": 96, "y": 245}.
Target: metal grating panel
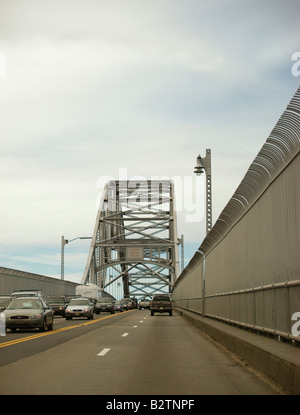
{"x": 280, "y": 148}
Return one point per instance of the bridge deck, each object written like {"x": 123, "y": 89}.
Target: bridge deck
{"x": 278, "y": 360}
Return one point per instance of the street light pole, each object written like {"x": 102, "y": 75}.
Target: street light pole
{"x": 63, "y": 243}
{"x": 62, "y": 257}
{"x": 181, "y": 242}
{"x": 204, "y": 164}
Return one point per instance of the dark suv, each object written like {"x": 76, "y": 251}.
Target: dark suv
{"x": 105, "y": 304}
{"x": 58, "y": 303}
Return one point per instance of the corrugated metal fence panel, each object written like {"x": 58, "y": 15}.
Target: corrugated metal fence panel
{"x": 11, "y": 280}
{"x": 252, "y": 252}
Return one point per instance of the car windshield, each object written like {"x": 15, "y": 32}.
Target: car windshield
{"x": 5, "y": 301}
{"x": 25, "y": 303}
{"x": 104, "y": 300}
{"x": 55, "y": 300}
{"x": 23, "y": 295}
{"x": 79, "y": 302}
{"x": 161, "y": 298}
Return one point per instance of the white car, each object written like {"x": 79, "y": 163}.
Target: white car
{"x": 79, "y": 307}
{"x": 27, "y": 293}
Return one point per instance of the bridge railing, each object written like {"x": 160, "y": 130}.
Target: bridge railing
{"x": 14, "y": 280}
{"x": 246, "y": 271}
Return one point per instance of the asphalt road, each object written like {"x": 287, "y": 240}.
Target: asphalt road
{"x": 130, "y": 353}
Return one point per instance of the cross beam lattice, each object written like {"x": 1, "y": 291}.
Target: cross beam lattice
{"x": 135, "y": 239}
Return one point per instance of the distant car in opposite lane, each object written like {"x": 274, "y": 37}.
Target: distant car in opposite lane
{"x": 79, "y": 307}
{"x": 28, "y": 313}
{"x": 119, "y": 306}
{"x": 105, "y": 304}
{"x": 127, "y": 303}
{"x": 58, "y": 304}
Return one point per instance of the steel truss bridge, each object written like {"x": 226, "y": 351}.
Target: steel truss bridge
{"x": 135, "y": 246}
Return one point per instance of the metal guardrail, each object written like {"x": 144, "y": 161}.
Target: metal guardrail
{"x": 190, "y": 305}
{"x": 278, "y": 158}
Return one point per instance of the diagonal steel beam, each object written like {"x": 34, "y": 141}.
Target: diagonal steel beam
{"x": 135, "y": 238}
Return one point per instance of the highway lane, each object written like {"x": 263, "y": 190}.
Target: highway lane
{"x": 29, "y": 342}
{"x": 130, "y": 353}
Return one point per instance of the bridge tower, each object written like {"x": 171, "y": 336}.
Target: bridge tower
{"x": 135, "y": 241}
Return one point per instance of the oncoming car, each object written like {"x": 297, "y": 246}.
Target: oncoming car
{"x": 58, "y": 304}
{"x": 28, "y": 313}
{"x": 79, "y": 307}
{"x": 119, "y": 306}
{"x": 105, "y": 304}
{"x": 127, "y": 303}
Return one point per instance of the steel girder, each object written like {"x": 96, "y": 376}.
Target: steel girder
{"x": 135, "y": 238}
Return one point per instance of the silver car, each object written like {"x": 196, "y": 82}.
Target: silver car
{"x": 79, "y": 307}
{"x": 27, "y": 293}
{"x": 28, "y": 313}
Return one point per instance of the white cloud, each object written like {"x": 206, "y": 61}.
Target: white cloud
{"x": 144, "y": 85}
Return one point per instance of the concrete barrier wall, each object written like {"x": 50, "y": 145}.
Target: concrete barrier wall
{"x": 247, "y": 271}
{"x": 11, "y": 280}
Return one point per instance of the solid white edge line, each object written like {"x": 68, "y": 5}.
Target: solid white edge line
{"x": 103, "y": 352}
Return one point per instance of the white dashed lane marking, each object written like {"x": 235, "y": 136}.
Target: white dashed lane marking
{"x": 103, "y": 352}
{"x": 106, "y": 350}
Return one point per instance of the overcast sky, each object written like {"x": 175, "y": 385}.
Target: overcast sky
{"x": 91, "y": 87}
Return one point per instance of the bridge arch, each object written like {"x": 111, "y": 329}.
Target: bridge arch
{"x": 135, "y": 240}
